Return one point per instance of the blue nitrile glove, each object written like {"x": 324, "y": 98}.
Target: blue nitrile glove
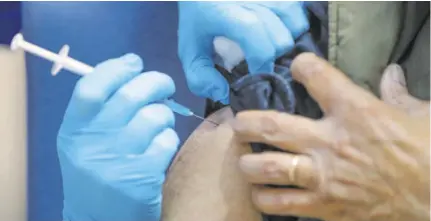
{"x": 116, "y": 143}
{"x": 264, "y": 31}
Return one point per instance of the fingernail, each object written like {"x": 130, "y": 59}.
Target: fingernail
{"x": 396, "y": 73}
{"x": 306, "y": 65}
{"x": 132, "y": 59}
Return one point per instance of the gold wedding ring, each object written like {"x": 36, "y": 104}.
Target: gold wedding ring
{"x": 292, "y": 173}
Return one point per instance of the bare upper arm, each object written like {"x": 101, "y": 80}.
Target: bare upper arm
{"x": 204, "y": 181}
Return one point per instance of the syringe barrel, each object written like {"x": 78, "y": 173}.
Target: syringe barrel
{"x": 66, "y": 62}
{"x": 75, "y": 66}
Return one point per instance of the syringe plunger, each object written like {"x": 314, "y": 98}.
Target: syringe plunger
{"x": 62, "y": 60}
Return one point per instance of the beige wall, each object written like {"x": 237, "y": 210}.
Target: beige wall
{"x": 13, "y": 154}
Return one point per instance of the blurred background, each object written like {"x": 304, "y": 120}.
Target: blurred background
{"x": 33, "y": 102}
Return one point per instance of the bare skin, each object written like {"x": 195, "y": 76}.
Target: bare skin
{"x": 204, "y": 182}
{"x": 365, "y": 160}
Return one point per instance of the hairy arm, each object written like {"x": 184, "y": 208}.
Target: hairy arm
{"x": 204, "y": 182}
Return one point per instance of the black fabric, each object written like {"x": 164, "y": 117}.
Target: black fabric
{"x": 262, "y": 92}
{"x": 316, "y": 40}
{"x": 414, "y": 17}
{"x": 412, "y": 50}
{"x": 277, "y": 91}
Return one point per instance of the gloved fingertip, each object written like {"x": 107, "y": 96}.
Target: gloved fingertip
{"x": 207, "y": 82}
{"x": 133, "y": 60}
{"x": 168, "y": 139}
{"x": 225, "y": 101}
{"x": 220, "y": 93}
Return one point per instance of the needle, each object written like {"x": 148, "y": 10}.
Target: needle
{"x": 199, "y": 117}
{"x": 62, "y": 60}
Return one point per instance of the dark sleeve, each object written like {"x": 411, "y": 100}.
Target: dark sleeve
{"x": 412, "y": 50}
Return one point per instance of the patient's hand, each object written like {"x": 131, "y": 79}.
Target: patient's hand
{"x": 204, "y": 182}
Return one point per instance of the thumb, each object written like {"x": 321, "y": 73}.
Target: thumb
{"x": 394, "y": 92}
{"x": 205, "y": 81}
{"x": 202, "y": 77}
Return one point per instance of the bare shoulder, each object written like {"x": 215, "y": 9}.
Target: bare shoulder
{"x": 204, "y": 182}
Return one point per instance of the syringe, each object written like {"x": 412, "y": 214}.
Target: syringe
{"x": 62, "y": 60}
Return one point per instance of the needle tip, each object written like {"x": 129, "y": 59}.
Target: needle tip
{"x": 203, "y": 119}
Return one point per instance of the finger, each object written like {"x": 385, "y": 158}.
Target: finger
{"x": 394, "y": 91}
{"x": 93, "y": 90}
{"x": 287, "y": 202}
{"x": 150, "y": 121}
{"x": 280, "y": 36}
{"x": 393, "y": 86}
{"x": 279, "y": 169}
{"x": 162, "y": 150}
{"x": 291, "y": 133}
{"x": 331, "y": 88}
{"x": 202, "y": 77}
{"x": 246, "y": 29}
{"x": 147, "y": 88}
{"x": 292, "y": 14}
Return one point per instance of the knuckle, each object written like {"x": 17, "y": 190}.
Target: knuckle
{"x": 271, "y": 168}
{"x": 310, "y": 178}
{"x": 130, "y": 94}
{"x": 341, "y": 146}
{"x": 248, "y": 21}
{"x": 327, "y": 195}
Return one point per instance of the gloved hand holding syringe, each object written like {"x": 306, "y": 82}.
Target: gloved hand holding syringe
{"x": 62, "y": 60}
